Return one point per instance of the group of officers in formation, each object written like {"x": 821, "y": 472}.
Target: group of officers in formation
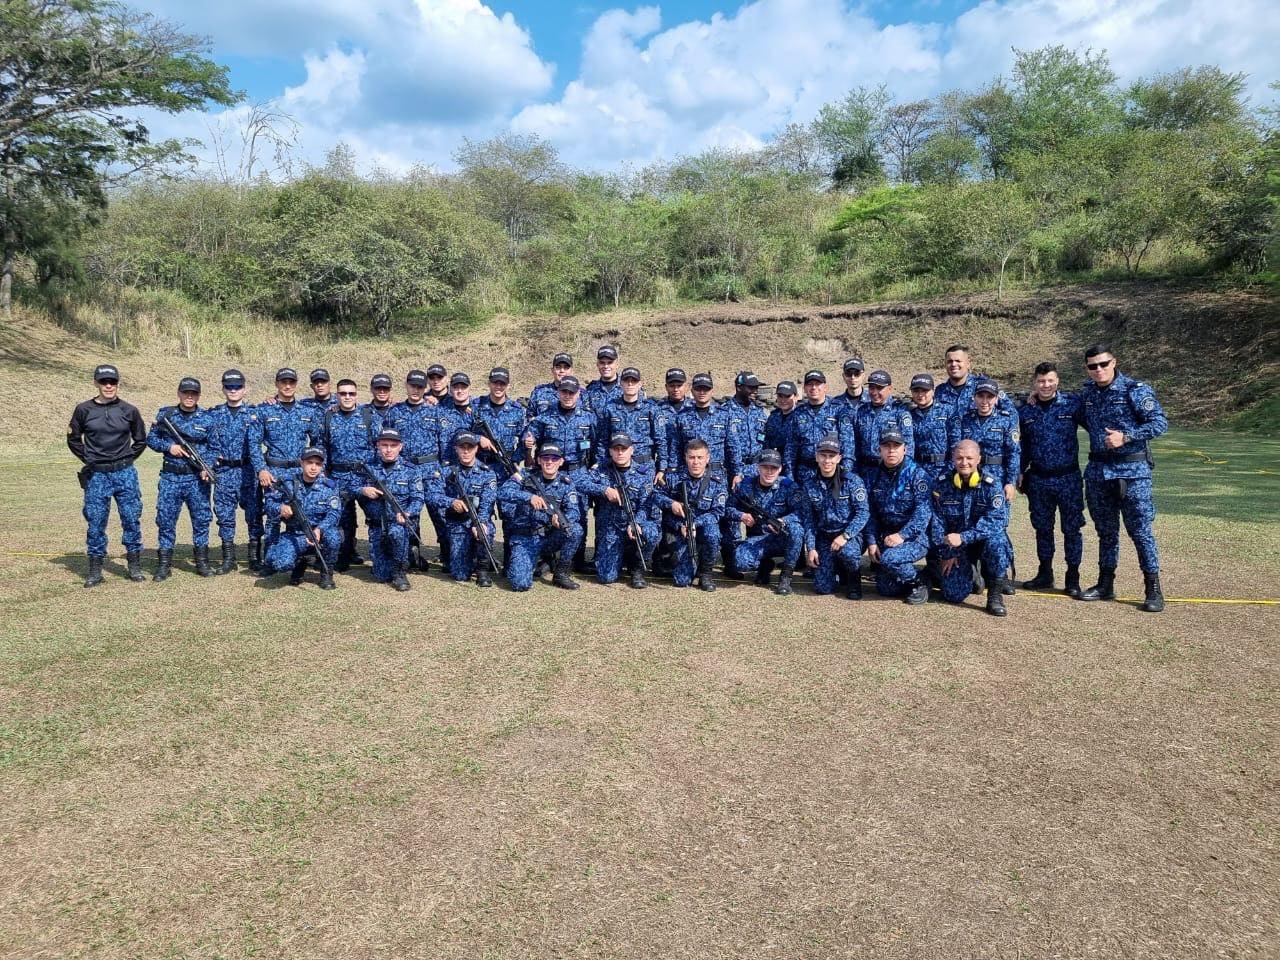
{"x": 921, "y": 489}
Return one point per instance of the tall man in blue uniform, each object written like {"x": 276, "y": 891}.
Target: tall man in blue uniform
{"x": 631, "y": 414}
{"x": 538, "y": 532}
{"x": 182, "y": 483}
{"x": 882, "y": 412}
{"x": 970, "y": 520}
{"x": 1051, "y": 476}
{"x": 348, "y": 433}
{"x": 838, "y": 513}
{"x": 1122, "y": 416}
{"x": 855, "y": 392}
{"x": 617, "y": 538}
{"x": 417, "y": 423}
{"x": 107, "y": 435}
{"x": 505, "y": 419}
{"x": 710, "y": 422}
{"x": 812, "y": 421}
{"x": 897, "y": 533}
{"x": 777, "y": 426}
{"x": 321, "y": 500}
{"x": 930, "y": 424}
{"x": 676, "y": 401}
{"x": 545, "y": 396}
{"x": 278, "y": 432}
{"x": 322, "y": 397}
{"x": 749, "y": 414}
{"x": 237, "y": 487}
{"x": 607, "y": 386}
{"x": 958, "y": 389}
{"x": 390, "y": 530}
{"x": 707, "y": 493}
{"x": 777, "y": 531}
{"x": 573, "y": 430}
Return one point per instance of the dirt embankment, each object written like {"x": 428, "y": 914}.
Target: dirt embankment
{"x": 1211, "y": 354}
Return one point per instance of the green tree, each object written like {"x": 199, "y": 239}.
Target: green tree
{"x": 520, "y": 181}
{"x": 1188, "y": 98}
{"x": 622, "y": 241}
{"x": 73, "y": 75}
{"x": 849, "y": 132}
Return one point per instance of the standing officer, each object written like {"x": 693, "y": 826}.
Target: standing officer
{"x": 710, "y": 422}
{"x": 321, "y": 398}
{"x": 456, "y": 415}
{"x": 466, "y": 478}
{"x": 417, "y": 423}
{"x": 237, "y": 487}
{"x": 606, "y": 387}
{"x": 182, "y": 483}
{"x": 504, "y": 419}
{"x": 707, "y": 493}
{"x": 631, "y": 414}
{"x": 812, "y": 421}
{"x": 749, "y": 415}
{"x": 670, "y": 407}
{"x": 321, "y": 500}
{"x": 882, "y": 412}
{"x": 854, "y": 393}
{"x": 617, "y": 539}
{"x": 573, "y": 431}
{"x": 390, "y": 529}
{"x": 380, "y": 389}
{"x": 897, "y": 533}
{"x": 437, "y": 386}
{"x": 348, "y": 432}
{"x": 278, "y": 432}
{"x": 544, "y": 512}
{"x": 107, "y": 435}
{"x": 777, "y": 426}
{"x": 1122, "y": 416}
{"x": 545, "y": 396}
{"x": 930, "y": 424}
{"x": 776, "y": 513}
{"x": 838, "y": 515}
{"x": 1051, "y": 475}
{"x": 970, "y": 521}
{"x": 958, "y": 389}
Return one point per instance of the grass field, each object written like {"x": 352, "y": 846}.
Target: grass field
{"x": 219, "y": 768}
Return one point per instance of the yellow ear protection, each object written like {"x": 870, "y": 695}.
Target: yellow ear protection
{"x": 974, "y": 480}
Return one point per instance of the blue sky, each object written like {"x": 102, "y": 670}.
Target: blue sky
{"x": 404, "y": 81}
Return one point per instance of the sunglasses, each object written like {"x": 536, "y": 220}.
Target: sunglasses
{"x": 346, "y": 393}
{"x": 109, "y": 383}
{"x": 1100, "y": 365}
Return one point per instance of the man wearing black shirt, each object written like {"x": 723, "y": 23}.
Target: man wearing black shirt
{"x": 107, "y": 435}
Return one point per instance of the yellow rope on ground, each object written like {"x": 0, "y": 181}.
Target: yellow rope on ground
{"x": 1259, "y": 601}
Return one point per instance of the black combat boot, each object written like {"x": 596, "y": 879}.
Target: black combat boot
{"x": 343, "y": 563}
{"x": 299, "y": 568}
{"x": 1043, "y": 580}
{"x": 164, "y": 565}
{"x": 783, "y": 589}
{"x": 1105, "y": 588}
{"x": 764, "y": 573}
{"x": 706, "y": 580}
{"x": 94, "y": 576}
{"x": 1007, "y": 586}
{"x": 400, "y": 578}
{"x": 134, "y": 559}
{"x": 638, "y": 581}
{"x": 228, "y": 557}
{"x": 255, "y": 555}
{"x": 917, "y": 593}
{"x": 1154, "y": 601}
{"x": 1072, "y": 589}
{"x": 424, "y": 565}
{"x": 483, "y": 577}
{"x": 202, "y": 561}
{"x": 995, "y": 597}
{"x": 561, "y": 577}
{"x": 853, "y": 585}
{"x": 326, "y": 580}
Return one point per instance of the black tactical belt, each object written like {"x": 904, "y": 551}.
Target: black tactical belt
{"x": 993, "y": 461}
{"x": 180, "y": 469}
{"x": 277, "y": 462}
{"x": 346, "y": 467}
{"x": 928, "y": 458}
{"x": 751, "y": 459}
{"x": 643, "y": 458}
{"x": 425, "y": 458}
{"x": 1036, "y": 471}
{"x": 222, "y": 462}
{"x": 112, "y": 466}
{"x": 1109, "y": 457}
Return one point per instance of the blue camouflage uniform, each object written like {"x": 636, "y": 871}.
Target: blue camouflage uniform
{"x": 750, "y": 419}
{"x": 598, "y": 394}
{"x": 1051, "y": 471}
{"x": 420, "y": 428}
{"x": 869, "y": 421}
{"x": 388, "y": 540}
{"x": 180, "y": 484}
{"x": 348, "y": 442}
{"x": 478, "y": 484}
{"x": 837, "y": 506}
{"x": 322, "y": 501}
{"x": 980, "y": 514}
{"x": 317, "y": 406}
{"x": 533, "y": 537}
{"x": 1118, "y": 482}
{"x": 670, "y": 411}
{"x": 453, "y": 420}
{"x": 810, "y": 423}
{"x": 707, "y": 497}
{"x": 960, "y": 398}
{"x": 714, "y": 425}
{"x": 641, "y": 421}
{"x": 108, "y": 438}
{"x": 237, "y": 483}
{"x": 776, "y": 428}
{"x": 507, "y": 422}
{"x": 931, "y": 428}
{"x": 613, "y": 545}
{"x": 847, "y": 406}
{"x": 546, "y": 397}
{"x": 785, "y": 502}
{"x": 276, "y": 436}
{"x": 574, "y": 432}
{"x": 900, "y": 503}
{"x": 998, "y": 437}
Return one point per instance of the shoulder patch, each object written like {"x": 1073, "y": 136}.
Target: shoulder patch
{"x": 1149, "y": 403}
{"x": 921, "y": 485}
{"x": 997, "y": 501}
{"x": 860, "y": 494}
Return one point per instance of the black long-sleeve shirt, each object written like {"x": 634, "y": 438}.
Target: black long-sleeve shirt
{"x": 102, "y": 433}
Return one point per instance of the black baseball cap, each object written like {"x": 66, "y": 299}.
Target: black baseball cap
{"x": 287, "y": 373}
{"x": 437, "y": 370}
{"x": 770, "y": 457}
{"x": 550, "y": 450}
{"x": 879, "y": 378}
{"x": 621, "y": 440}
{"x": 987, "y": 386}
{"x": 311, "y": 453}
{"x": 188, "y": 385}
{"x": 380, "y": 381}
{"x": 676, "y": 375}
{"x": 813, "y": 375}
{"x": 786, "y": 388}
{"x": 460, "y": 379}
{"x": 105, "y": 371}
{"x": 891, "y": 436}
{"x": 829, "y": 444}
{"x": 922, "y": 381}
{"x": 854, "y": 363}
{"x": 466, "y": 438}
{"x": 607, "y": 352}
{"x": 746, "y": 379}
{"x": 416, "y": 378}
{"x": 562, "y": 360}
{"x": 499, "y": 375}
{"x": 319, "y": 375}
{"x": 629, "y": 373}
{"x": 389, "y": 433}
{"x": 568, "y": 385}
{"x": 233, "y": 379}
{"x": 702, "y": 381}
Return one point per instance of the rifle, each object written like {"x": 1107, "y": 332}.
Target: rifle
{"x": 190, "y": 451}
{"x": 389, "y": 501}
{"x": 481, "y": 531}
{"x": 300, "y": 518}
{"x": 504, "y": 458}
{"x": 690, "y": 528}
{"x": 533, "y": 483}
{"x": 632, "y": 524}
{"x": 762, "y": 516}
